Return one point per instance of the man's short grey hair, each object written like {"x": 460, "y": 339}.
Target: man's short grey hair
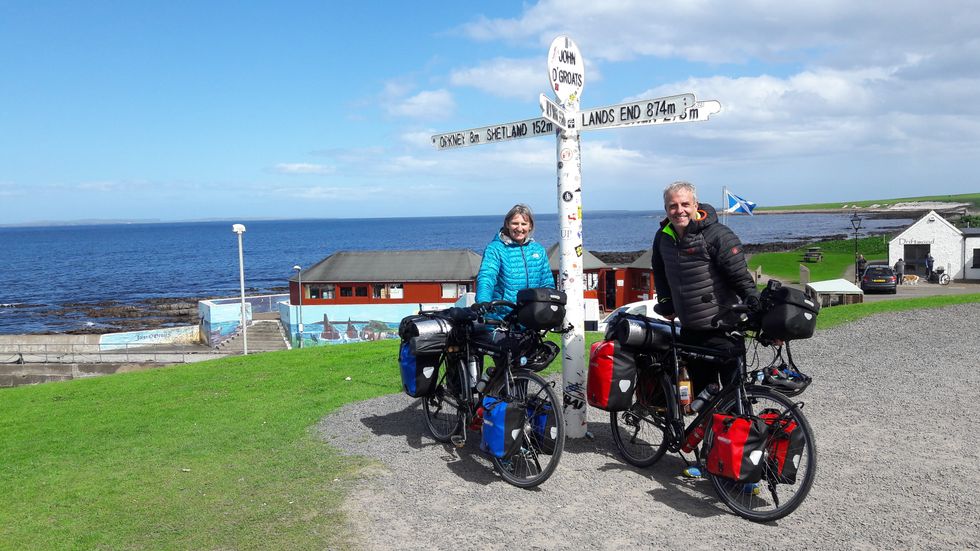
{"x": 524, "y": 211}
{"x": 679, "y": 186}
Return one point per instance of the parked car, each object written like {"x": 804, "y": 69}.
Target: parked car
{"x": 879, "y": 278}
{"x": 643, "y": 307}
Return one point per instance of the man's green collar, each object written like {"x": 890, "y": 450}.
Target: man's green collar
{"x": 669, "y": 230}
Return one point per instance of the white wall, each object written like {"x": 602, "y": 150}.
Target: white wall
{"x": 968, "y": 269}
{"x": 944, "y": 240}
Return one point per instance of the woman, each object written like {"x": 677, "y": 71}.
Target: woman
{"x": 513, "y": 260}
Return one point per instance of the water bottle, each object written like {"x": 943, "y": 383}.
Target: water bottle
{"x": 473, "y": 369}
{"x": 684, "y": 389}
{"x": 703, "y": 398}
{"x": 694, "y": 438}
{"x": 481, "y": 385}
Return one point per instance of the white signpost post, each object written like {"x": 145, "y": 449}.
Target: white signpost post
{"x": 566, "y": 76}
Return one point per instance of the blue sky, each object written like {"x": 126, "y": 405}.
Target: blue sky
{"x": 242, "y": 110}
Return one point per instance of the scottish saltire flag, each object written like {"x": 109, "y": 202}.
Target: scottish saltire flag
{"x": 734, "y": 203}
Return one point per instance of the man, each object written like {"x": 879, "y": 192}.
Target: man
{"x": 694, "y": 255}
{"x": 930, "y": 262}
{"x": 900, "y": 271}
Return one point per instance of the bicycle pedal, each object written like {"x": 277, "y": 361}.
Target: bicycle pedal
{"x": 458, "y": 440}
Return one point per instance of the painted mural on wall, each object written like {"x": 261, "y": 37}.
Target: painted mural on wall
{"x": 186, "y": 334}
{"x": 340, "y": 324}
{"x": 221, "y": 317}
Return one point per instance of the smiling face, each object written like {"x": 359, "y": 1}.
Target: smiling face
{"x": 681, "y": 207}
{"x": 518, "y": 228}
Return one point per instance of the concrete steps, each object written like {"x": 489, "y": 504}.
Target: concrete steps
{"x": 263, "y": 336}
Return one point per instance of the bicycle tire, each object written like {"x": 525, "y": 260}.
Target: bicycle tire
{"x": 770, "y": 503}
{"x": 532, "y": 463}
{"x": 443, "y": 414}
{"x": 944, "y": 279}
{"x": 650, "y": 419}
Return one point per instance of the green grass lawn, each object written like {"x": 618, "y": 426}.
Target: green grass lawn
{"x": 972, "y": 198}
{"x": 838, "y": 256}
{"x": 215, "y": 455}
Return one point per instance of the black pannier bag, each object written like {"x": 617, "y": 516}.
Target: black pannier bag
{"x": 788, "y": 313}
{"x": 540, "y": 308}
{"x": 423, "y": 342}
{"x": 642, "y": 333}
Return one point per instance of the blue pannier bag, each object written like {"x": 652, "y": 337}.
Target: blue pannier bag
{"x": 544, "y": 425}
{"x": 419, "y": 373}
{"x": 502, "y": 427}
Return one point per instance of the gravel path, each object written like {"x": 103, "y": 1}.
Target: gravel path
{"x": 894, "y": 406}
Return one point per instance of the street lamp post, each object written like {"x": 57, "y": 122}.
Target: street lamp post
{"x": 240, "y": 229}
{"x": 299, "y": 273}
{"x": 856, "y": 224}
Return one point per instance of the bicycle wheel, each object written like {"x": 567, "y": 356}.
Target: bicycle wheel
{"x": 542, "y": 435}
{"x": 444, "y": 412}
{"x": 944, "y": 279}
{"x": 640, "y": 432}
{"x": 775, "y": 496}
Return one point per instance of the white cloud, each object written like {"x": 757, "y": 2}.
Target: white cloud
{"x": 428, "y": 104}
{"x": 514, "y": 78}
{"x": 303, "y": 168}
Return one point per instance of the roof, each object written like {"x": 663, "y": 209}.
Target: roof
{"x": 835, "y": 286}
{"x": 589, "y": 260}
{"x": 644, "y": 261}
{"x": 394, "y": 266}
{"x": 970, "y": 232}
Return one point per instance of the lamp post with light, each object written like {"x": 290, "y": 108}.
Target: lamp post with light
{"x": 299, "y": 274}
{"x": 240, "y": 229}
{"x": 856, "y": 224}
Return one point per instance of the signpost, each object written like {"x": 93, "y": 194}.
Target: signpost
{"x": 566, "y": 77}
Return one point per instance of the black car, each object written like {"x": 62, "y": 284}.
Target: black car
{"x": 879, "y": 278}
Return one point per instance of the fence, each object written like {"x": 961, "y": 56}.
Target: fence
{"x": 30, "y": 353}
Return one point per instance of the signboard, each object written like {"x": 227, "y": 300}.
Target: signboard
{"x": 566, "y": 70}
{"x": 551, "y": 111}
{"x": 699, "y": 112}
{"x": 529, "y": 128}
{"x": 642, "y": 111}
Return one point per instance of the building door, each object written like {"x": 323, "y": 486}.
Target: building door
{"x": 915, "y": 259}
{"x": 609, "y": 299}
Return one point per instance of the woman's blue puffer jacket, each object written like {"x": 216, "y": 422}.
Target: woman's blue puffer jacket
{"x": 508, "y": 267}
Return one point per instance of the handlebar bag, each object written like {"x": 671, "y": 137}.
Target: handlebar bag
{"x": 419, "y": 371}
{"x": 503, "y": 422}
{"x": 737, "y": 447}
{"x": 541, "y": 308}
{"x": 612, "y": 376}
{"x": 544, "y": 424}
{"x": 788, "y": 314}
{"x": 785, "y": 449}
{"x": 642, "y": 333}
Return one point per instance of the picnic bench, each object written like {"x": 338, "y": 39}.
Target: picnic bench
{"x": 813, "y": 254}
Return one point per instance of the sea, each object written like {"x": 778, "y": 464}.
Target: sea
{"x": 46, "y": 271}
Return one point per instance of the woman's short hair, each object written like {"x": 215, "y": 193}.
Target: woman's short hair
{"x": 524, "y": 211}
{"x": 678, "y": 186}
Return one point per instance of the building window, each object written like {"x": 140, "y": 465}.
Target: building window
{"x": 322, "y": 291}
{"x": 346, "y": 291}
{"x": 379, "y": 291}
{"x": 643, "y": 281}
{"x": 976, "y": 258}
{"x": 450, "y": 290}
{"x": 361, "y": 291}
{"x": 395, "y": 291}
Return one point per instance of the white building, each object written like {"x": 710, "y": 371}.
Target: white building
{"x": 954, "y": 249}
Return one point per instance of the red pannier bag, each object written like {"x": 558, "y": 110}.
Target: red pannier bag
{"x": 612, "y": 377}
{"x": 785, "y": 446}
{"x": 738, "y": 447}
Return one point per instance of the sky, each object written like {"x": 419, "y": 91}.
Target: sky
{"x": 244, "y": 110}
